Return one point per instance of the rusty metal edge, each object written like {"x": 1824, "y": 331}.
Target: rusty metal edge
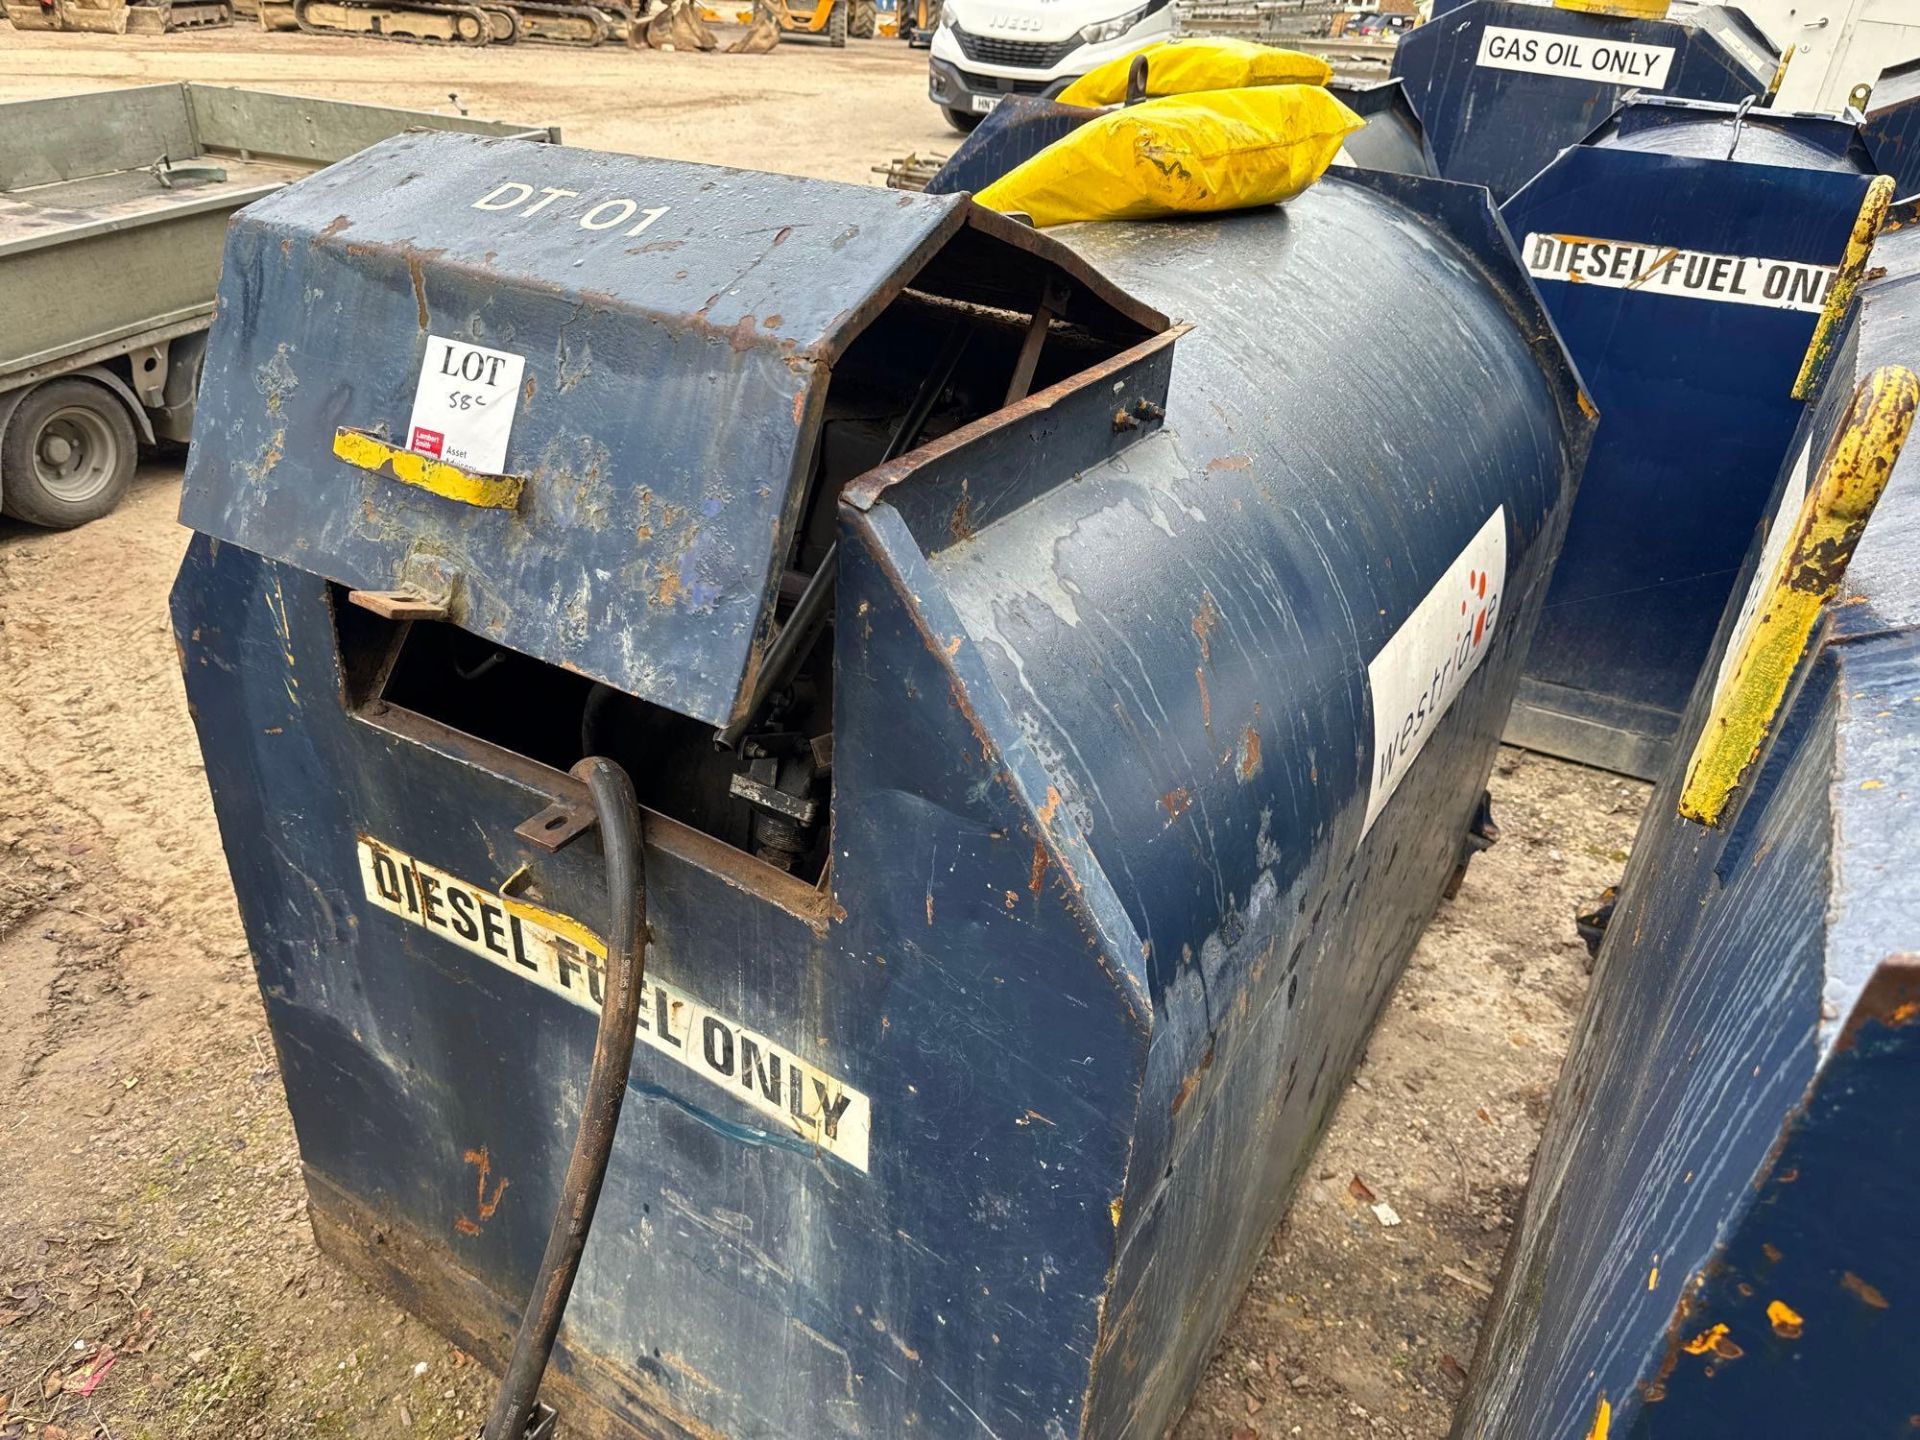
{"x": 428, "y": 1280}
{"x": 864, "y": 492}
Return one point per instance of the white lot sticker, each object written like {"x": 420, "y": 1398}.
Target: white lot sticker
{"x": 1665, "y": 270}
{"x": 1421, "y": 669}
{"x": 1779, "y": 534}
{"x": 1575, "y": 57}
{"x": 463, "y": 406}
{"x": 562, "y": 955}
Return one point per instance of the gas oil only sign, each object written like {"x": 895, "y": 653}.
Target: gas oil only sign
{"x": 1576, "y": 57}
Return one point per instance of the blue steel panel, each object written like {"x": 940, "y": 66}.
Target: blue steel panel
{"x": 1695, "y": 403}
{"x": 1892, "y": 131}
{"x": 1013, "y": 132}
{"x": 1497, "y": 127}
{"x": 1735, "y": 1123}
{"x": 1092, "y": 1087}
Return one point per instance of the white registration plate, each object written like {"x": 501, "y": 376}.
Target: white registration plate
{"x": 983, "y": 104}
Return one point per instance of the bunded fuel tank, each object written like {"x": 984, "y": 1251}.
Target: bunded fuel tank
{"x": 1502, "y": 86}
{"x": 1010, "y": 952}
{"x": 1694, "y": 257}
{"x": 1718, "y": 1235}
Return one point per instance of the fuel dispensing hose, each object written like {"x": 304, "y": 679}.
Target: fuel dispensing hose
{"x": 618, "y": 814}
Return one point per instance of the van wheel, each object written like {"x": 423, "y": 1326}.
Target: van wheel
{"x": 67, "y": 455}
{"x": 961, "y": 120}
{"x": 864, "y": 22}
{"x": 837, "y": 24}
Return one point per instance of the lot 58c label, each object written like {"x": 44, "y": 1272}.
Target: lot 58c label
{"x": 463, "y": 404}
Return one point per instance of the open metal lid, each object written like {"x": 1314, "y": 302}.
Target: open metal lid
{"x": 576, "y": 396}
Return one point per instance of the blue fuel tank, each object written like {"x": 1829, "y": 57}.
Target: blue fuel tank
{"x": 1006, "y": 965}
{"x": 1892, "y": 128}
{"x": 1717, "y": 1239}
{"x": 1688, "y": 253}
{"x": 1502, "y": 86}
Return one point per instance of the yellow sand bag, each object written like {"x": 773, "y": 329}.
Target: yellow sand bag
{"x": 1221, "y": 150}
{"x": 1184, "y": 67}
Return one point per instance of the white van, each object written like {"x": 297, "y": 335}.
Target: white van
{"x": 985, "y": 50}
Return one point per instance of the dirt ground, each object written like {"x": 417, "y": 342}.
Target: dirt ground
{"x": 157, "y": 1277}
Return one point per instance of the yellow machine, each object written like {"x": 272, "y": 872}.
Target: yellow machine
{"x": 118, "y": 17}
{"x": 833, "y": 19}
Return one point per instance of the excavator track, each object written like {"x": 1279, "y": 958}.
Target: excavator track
{"x": 417, "y": 22}
{"x": 546, "y": 22}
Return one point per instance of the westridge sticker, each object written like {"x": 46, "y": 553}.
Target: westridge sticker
{"x": 1420, "y": 671}
{"x": 561, "y": 955}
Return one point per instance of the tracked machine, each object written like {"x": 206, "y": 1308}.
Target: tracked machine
{"x": 118, "y": 17}
{"x": 452, "y": 22}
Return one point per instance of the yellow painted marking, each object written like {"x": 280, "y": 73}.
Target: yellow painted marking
{"x": 449, "y": 482}
{"x": 1632, "y": 9}
{"x": 1653, "y": 1278}
{"x": 565, "y": 926}
{"x": 1804, "y": 581}
{"x": 1780, "y": 75}
{"x": 1785, "y": 1320}
{"x": 1866, "y": 225}
{"x": 1602, "y": 1420}
{"x": 1704, "y": 1342}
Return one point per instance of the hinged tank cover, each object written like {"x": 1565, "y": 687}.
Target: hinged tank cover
{"x": 582, "y": 403}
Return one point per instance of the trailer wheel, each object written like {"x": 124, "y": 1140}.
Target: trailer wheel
{"x": 837, "y": 24}
{"x": 864, "y": 21}
{"x": 67, "y": 455}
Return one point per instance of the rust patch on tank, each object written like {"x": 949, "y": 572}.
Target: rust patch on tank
{"x": 1203, "y": 624}
{"x": 419, "y": 279}
{"x": 1038, "y": 876}
{"x": 1863, "y": 1292}
{"x": 1230, "y": 462}
{"x": 1192, "y": 1081}
{"x": 1206, "y": 700}
{"x": 1175, "y": 802}
{"x": 484, "y": 1204}
{"x": 1249, "y": 753}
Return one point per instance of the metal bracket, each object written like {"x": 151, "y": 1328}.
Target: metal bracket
{"x": 399, "y": 604}
{"x": 557, "y": 826}
{"x": 541, "y": 1424}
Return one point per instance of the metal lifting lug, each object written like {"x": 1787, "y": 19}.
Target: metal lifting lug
{"x": 542, "y": 1424}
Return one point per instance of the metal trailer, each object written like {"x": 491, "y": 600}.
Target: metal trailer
{"x": 1096, "y": 759}
{"x": 1718, "y": 1235}
{"x": 1502, "y": 86}
{"x": 1021, "y": 126}
{"x": 112, "y": 210}
{"x": 1692, "y": 255}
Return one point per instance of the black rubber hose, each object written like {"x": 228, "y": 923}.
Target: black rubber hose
{"x": 620, "y": 841}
